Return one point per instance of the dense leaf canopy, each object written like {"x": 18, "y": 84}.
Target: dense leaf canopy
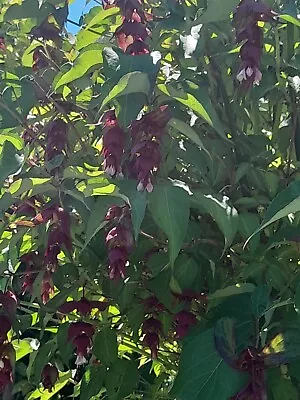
{"x": 149, "y": 200}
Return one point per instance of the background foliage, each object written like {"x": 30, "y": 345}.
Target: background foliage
{"x": 188, "y": 287}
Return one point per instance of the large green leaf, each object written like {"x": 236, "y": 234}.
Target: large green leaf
{"x": 225, "y": 216}
{"x": 285, "y": 203}
{"x": 169, "y": 206}
{"x": 87, "y": 59}
{"x": 202, "y": 373}
{"x": 215, "y": 13}
{"x": 133, "y": 82}
{"x": 190, "y": 101}
{"x": 92, "y": 382}
{"x": 121, "y": 379}
{"x": 10, "y": 161}
{"x": 105, "y": 346}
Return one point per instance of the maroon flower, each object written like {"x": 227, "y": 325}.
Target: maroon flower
{"x": 56, "y": 140}
{"x": 152, "y": 325}
{"x": 113, "y": 143}
{"x": 151, "y": 340}
{"x": 9, "y": 301}
{"x": 33, "y": 262}
{"x": 5, "y": 327}
{"x": 83, "y": 306}
{"x": 184, "y": 320}
{"x": 129, "y": 32}
{"x": 138, "y": 47}
{"x": 246, "y": 18}
{"x": 49, "y": 377}
{"x": 39, "y": 59}
{"x": 250, "y": 361}
{"x": 6, "y": 375}
{"x": 114, "y": 212}
{"x": 80, "y": 334}
{"x": 47, "y": 288}
{"x": 118, "y": 258}
{"x": 2, "y": 44}
{"x": 152, "y": 304}
{"x": 119, "y": 241}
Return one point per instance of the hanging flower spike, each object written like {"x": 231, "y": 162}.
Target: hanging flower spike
{"x": 56, "y": 139}
{"x": 6, "y": 375}
{"x": 49, "y": 377}
{"x": 152, "y": 328}
{"x": 113, "y": 144}
{"x": 151, "y": 340}
{"x": 152, "y": 325}
{"x": 47, "y": 289}
{"x": 2, "y": 44}
{"x": 129, "y": 32}
{"x": 145, "y": 154}
{"x": 184, "y": 320}
{"x": 80, "y": 335}
{"x": 250, "y": 361}
{"x": 83, "y": 306}
{"x": 246, "y": 18}
{"x": 33, "y": 262}
{"x": 7, "y": 357}
{"x": 9, "y": 301}
{"x": 119, "y": 241}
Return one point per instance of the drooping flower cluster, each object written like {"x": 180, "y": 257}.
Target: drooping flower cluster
{"x": 39, "y": 59}
{"x": 83, "y": 306}
{"x": 8, "y": 302}
{"x": 113, "y": 144}
{"x": 59, "y": 236}
{"x": 80, "y": 334}
{"x": 133, "y": 32}
{"x": 2, "y": 44}
{"x": 49, "y": 377}
{"x": 146, "y": 136}
{"x": 246, "y": 18}
{"x": 119, "y": 240}
{"x": 251, "y": 362}
{"x": 56, "y": 141}
{"x": 152, "y": 329}
{"x": 184, "y": 320}
{"x": 7, "y": 359}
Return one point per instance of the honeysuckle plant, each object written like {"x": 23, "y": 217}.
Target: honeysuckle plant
{"x": 149, "y": 200}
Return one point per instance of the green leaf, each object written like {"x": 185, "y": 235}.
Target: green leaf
{"x": 283, "y": 348}
{"x": 202, "y": 373}
{"x": 225, "y": 216}
{"x": 23, "y": 347}
{"x": 92, "y": 382}
{"x": 105, "y": 346}
{"x": 239, "y": 288}
{"x": 290, "y": 18}
{"x": 281, "y": 386}
{"x": 169, "y": 207}
{"x": 188, "y": 131}
{"x": 133, "y": 82}
{"x": 85, "y": 61}
{"x": 297, "y": 298}
{"x": 285, "y": 203}
{"x": 215, "y": 13}
{"x": 10, "y": 161}
{"x": 121, "y": 379}
{"x": 138, "y": 203}
{"x": 185, "y": 271}
{"x": 96, "y": 220}
{"x": 43, "y": 355}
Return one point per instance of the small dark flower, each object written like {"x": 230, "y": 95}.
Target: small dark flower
{"x": 151, "y": 340}
{"x": 49, "y": 377}
{"x": 83, "y": 306}
{"x": 8, "y": 300}
{"x": 118, "y": 258}
{"x": 47, "y": 288}
{"x": 152, "y": 325}
{"x": 152, "y": 304}
{"x": 137, "y": 47}
{"x": 56, "y": 139}
{"x": 113, "y": 144}
{"x": 119, "y": 236}
{"x": 129, "y": 32}
{"x": 184, "y": 320}
{"x": 39, "y": 59}
{"x": 80, "y": 335}
{"x": 113, "y": 212}
{"x": 6, "y": 373}
{"x": 2, "y": 44}
{"x": 5, "y": 327}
